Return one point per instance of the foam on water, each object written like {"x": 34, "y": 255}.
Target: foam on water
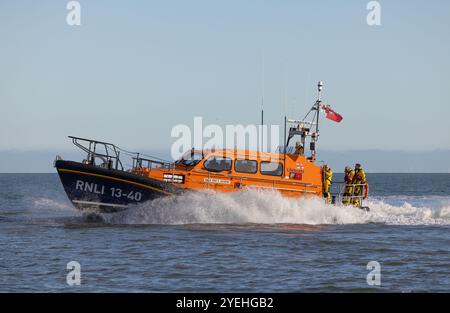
{"x": 50, "y": 207}
{"x": 45, "y": 203}
{"x": 269, "y": 207}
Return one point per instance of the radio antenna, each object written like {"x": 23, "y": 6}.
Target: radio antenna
{"x": 262, "y": 100}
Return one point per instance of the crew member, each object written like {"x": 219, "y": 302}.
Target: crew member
{"x": 359, "y": 182}
{"x": 299, "y": 149}
{"x": 348, "y": 191}
{"x": 327, "y": 180}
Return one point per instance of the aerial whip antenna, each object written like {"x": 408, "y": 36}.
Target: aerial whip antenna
{"x": 262, "y": 100}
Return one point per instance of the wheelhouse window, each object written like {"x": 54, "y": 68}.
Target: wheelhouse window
{"x": 218, "y": 164}
{"x": 246, "y": 166}
{"x": 271, "y": 168}
{"x": 191, "y": 158}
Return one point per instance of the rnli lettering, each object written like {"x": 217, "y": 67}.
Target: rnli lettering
{"x": 90, "y": 187}
{"x": 101, "y": 190}
{"x": 118, "y": 193}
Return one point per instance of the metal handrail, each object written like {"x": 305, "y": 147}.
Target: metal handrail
{"x": 112, "y": 154}
{"x": 138, "y": 163}
{"x": 339, "y": 195}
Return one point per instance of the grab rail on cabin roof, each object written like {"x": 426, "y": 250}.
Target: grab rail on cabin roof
{"x": 139, "y": 162}
{"x": 110, "y": 154}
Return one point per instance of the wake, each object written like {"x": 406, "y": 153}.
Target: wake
{"x": 269, "y": 207}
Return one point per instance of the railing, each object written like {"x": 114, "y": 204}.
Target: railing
{"x": 110, "y": 155}
{"x": 344, "y": 193}
{"x": 150, "y": 163}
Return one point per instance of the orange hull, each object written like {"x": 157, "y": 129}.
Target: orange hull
{"x": 295, "y": 175}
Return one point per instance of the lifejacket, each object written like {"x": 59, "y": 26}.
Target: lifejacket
{"x": 349, "y": 176}
{"x": 327, "y": 179}
{"x": 329, "y": 175}
{"x": 359, "y": 177}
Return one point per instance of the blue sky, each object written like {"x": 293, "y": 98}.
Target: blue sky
{"x": 134, "y": 69}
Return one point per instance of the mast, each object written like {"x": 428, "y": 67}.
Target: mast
{"x": 307, "y": 128}
{"x": 315, "y": 135}
{"x": 319, "y": 91}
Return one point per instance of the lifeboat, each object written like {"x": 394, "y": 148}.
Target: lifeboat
{"x": 100, "y": 182}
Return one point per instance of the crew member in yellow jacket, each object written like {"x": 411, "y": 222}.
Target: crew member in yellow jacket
{"x": 359, "y": 179}
{"x": 348, "y": 191}
{"x": 327, "y": 180}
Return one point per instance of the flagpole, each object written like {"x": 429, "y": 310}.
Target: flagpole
{"x": 316, "y": 135}
{"x": 319, "y": 90}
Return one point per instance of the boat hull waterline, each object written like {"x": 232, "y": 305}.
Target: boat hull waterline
{"x": 107, "y": 190}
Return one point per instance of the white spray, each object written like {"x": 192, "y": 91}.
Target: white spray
{"x": 269, "y": 207}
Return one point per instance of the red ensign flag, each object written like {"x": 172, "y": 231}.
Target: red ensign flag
{"x": 331, "y": 114}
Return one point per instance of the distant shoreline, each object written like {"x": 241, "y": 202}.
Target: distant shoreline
{"x": 373, "y": 161}
{"x": 370, "y": 173}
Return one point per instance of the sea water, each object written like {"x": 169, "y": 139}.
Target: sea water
{"x": 251, "y": 241}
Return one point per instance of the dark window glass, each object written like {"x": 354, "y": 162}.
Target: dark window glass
{"x": 273, "y": 169}
{"x": 191, "y": 159}
{"x": 246, "y": 166}
{"x": 218, "y": 164}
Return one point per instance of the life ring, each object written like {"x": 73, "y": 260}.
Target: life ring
{"x": 366, "y": 191}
